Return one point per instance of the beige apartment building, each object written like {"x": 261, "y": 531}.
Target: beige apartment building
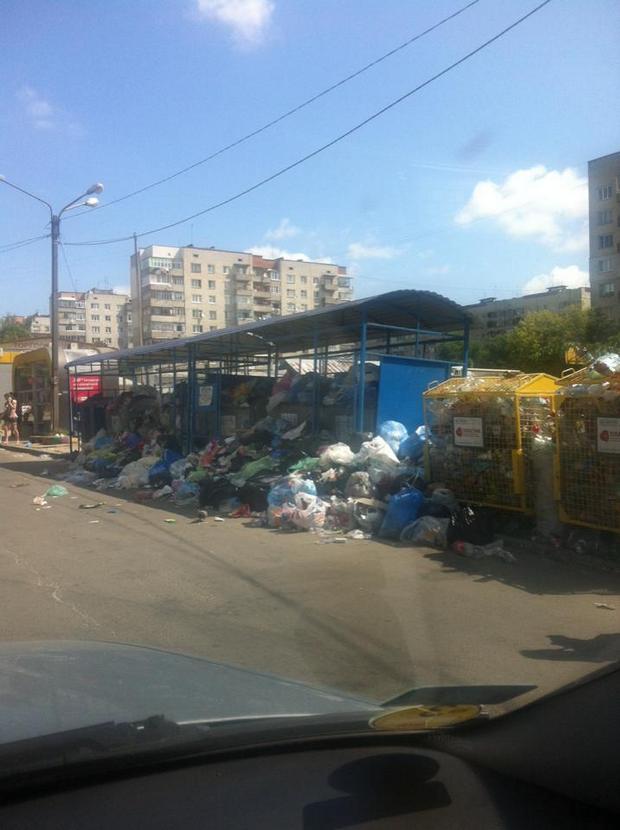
{"x": 186, "y": 291}
{"x": 604, "y": 200}
{"x": 99, "y": 315}
{"x": 40, "y": 324}
{"x": 492, "y": 316}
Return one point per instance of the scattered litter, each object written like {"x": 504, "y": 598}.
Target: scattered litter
{"x": 112, "y": 511}
{"x": 218, "y": 519}
{"x": 47, "y": 507}
{"x": 91, "y": 505}
{"x": 44, "y": 473}
{"x": 56, "y": 490}
{"x": 605, "y": 606}
{"x": 21, "y": 484}
{"x": 93, "y": 522}
{"x": 45, "y": 457}
{"x": 40, "y": 500}
{"x": 202, "y": 515}
{"x": 358, "y": 534}
{"x": 481, "y": 551}
{"x": 170, "y": 521}
{"x": 166, "y": 490}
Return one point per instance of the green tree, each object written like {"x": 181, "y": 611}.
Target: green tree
{"x": 11, "y": 329}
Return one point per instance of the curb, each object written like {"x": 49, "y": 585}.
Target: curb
{"x": 37, "y": 451}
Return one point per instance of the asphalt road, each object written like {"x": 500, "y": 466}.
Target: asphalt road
{"x": 365, "y": 617}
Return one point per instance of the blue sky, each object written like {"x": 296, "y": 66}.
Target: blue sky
{"x": 473, "y": 187}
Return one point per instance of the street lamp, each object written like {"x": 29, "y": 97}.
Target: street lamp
{"x": 79, "y": 201}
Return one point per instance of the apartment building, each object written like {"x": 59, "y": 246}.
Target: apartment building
{"x": 40, "y": 324}
{"x": 99, "y": 315}
{"x": 604, "y": 201}
{"x": 492, "y": 317}
{"x": 185, "y": 291}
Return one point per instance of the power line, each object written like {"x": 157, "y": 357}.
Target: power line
{"x": 329, "y": 144}
{"x": 13, "y": 246}
{"x": 287, "y": 114}
{"x": 68, "y": 267}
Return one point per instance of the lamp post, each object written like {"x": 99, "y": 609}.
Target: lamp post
{"x": 89, "y": 200}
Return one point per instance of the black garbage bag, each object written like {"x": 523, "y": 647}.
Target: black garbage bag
{"x": 255, "y": 494}
{"x": 435, "y": 509}
{"x": 469, "y": 525}
{"x": 214, "y": 491}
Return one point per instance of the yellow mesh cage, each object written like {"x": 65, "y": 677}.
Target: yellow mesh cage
{"x": 588, "y": 449}
{"x": 479, "y": 431}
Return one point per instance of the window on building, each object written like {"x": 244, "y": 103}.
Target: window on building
{"x": 303, "y": 280}
{"x": 606, "y": 241}
{"x": 275, "y": 289}
{"x": 213, "y": 315}
{"x": 303, "y": 293}
{"x": 344, "y": 282}
{"x": 315, "y": 280}
{"x": 94, "y": 316}
{"x": 290, "y": 306}
{"x": 606, "y": 289}
{"x": 178, "y": 328}
{"x": 95, "y": 329}
{"x": 196, "y": 328}
{"x": 212, "y": 285}
{"x": 275, "y": 276}
{"x": 225, "y": 269}
{"x": 107, "y": 306}
{"x": 290, "y": 292}
{"x": 605, "y": 192}
{"x": 178, "y": 281}
{"x": 212, "y": 299}
{"x": 108, "y": 340}
{"x": 196, "y": 283}
{"x": 196, "y": 313}
{"x": 290, "y": 278}
{"x": 94, "y": 306}
{"x": 604, "y": 217}
{"x": 108, "y": 318}
{"x": 108, "y": 330}
{"x": 196, "y": 268}
{"x": 604, "y": 265}
{"x": 211, "y": 269}
{"x": 196, "y": 298}
{"x": 304, "y": 306}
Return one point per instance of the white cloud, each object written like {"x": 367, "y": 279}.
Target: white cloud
{"x": 436, "y": 270}
{"x": 39, "y": 111}
{"x": 358, "y": 250}
{"x": 247, "y": 19}
{"x": 285, "y": 230}
{"x": 571, "y": 276}
{"x": 548, "y": 206}
{"x": 272, "y": 252}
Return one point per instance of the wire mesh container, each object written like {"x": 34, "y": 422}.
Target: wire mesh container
{"x": 588, "y": 449}
{"x": 479, "y": 432}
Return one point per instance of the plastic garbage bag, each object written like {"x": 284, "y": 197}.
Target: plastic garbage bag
{"x": 403, "y": 508}
{"x": 285, "y": 490}
{"x": 427, "y": 531}
{"x": 305, "y": 465}
{"x": 412, "y": 446}
{"x": 369, "y": 514}
{"x": 102, "y": 441}
{"x": 607, "y": 364}
{"x": 393, "y": 433}
{"x": 358, "y": 486}
{"x": 337, "y": 455}
{"x": 481, "y": 551}
{"x": 179, "y": 467}
{"x": 186, "y": 493}
{"x": 251, "y": 469}
{"x": 378, "y": 455}
{"x": 136, "y": 473}
{"x": 166, "y": 490}
{"x": 55, "y": 491}
{"x": 307, "y": 513}
{"x": 469, "y": 525}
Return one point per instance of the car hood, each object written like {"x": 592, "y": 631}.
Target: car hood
{"x": 50, "y": 687}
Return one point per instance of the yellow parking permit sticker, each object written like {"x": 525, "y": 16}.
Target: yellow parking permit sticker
{"x": 420, "y": 718}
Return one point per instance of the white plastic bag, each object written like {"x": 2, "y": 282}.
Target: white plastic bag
{"x": 378, "y": 453}
{"x": 337, "y": 455}
{"x": 427, "y": 531}
{"x": 308, "y": 513}
{"x": 136, "y": 473}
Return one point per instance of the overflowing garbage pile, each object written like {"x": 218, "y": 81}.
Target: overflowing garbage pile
{"x": 285, "y": 480}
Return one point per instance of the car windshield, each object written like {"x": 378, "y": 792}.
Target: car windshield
{"x": 310, "y": 389}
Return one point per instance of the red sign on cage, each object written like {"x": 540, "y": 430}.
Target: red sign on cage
{"x": 83, "y": 387}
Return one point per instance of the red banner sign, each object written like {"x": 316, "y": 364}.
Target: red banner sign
{"x": 83, "y": 387}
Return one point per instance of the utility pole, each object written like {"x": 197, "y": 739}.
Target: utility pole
{"x": 136, "y": 257}
{"x": 55, "y": 390}
{"x": 90, "y": 201}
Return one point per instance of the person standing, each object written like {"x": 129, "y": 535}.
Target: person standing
{"x": 5, "y": 419}
{"x": 13, "y": 418}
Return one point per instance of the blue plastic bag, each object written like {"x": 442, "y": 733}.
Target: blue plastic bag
{"x": 285, "y": 490}
{"x": 393, "y": 433}
{"x": 413, "y": 445}
{"x": 403, "y": 508}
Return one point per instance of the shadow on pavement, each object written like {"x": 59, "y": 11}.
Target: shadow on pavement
{"x": 604, "y": 648}
{"x": 532, "y": 572}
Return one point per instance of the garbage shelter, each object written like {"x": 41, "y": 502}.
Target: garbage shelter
{"x": 340, "y": 370}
